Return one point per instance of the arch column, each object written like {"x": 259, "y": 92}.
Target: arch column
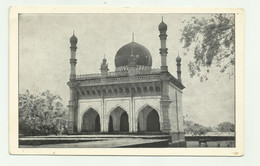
{"x": 142, "y": 120}
{"x": 102, "y": 120}
{"x": 106, "y": 123}
{"x": 131, "y": 114}
{"x": 165, "y": 124}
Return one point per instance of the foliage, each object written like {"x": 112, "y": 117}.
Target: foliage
{"x": 213, "y": 42}
{"x": 41, "y": 113}
{"x": 193, "y": 128}
{"x": 226, "y": 127}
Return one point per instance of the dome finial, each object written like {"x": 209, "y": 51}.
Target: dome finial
{"x": 162, "y": 18}
{"x": 73, "y": 32}
{"x": 133, "y": 37}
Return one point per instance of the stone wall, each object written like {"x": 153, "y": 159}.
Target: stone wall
{"x": 176, "y": 113}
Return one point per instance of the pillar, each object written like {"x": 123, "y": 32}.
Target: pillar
{"x": 178, "y": 60}
{"x": 132, "y": 61}
{"x": 72, "y": 126}
{"x": 104, "y": 68}
{"x": 165, "y": 101}
{"x": 163, "y": 50}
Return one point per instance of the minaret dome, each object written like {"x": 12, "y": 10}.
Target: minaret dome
{"x": 104, "y": 60}
{"x": 73, "y": 39}
{"x": 162, "y": 26}
{"x": 178, "y": 59}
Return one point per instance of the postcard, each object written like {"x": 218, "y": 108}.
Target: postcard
{"x": 126, "y": 81}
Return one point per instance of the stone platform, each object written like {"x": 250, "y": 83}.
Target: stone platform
{"x": 95, "y": 141}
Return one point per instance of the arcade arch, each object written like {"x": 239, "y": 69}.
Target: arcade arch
{"x": 148, "y": 120}
{"x": 118, "y": 120}
{"x": 90, "y": 121}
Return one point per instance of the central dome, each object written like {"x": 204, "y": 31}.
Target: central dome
{"x": 142, "y": 54}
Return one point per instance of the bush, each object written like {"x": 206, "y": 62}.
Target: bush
{"x": 41, "y": 113}
{"x": 195, "y": 129}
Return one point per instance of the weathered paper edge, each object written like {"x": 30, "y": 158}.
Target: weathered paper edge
{"x": 13, "y": 86}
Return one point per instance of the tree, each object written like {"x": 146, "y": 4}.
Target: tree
{"x": 193, "y": 128}
{"x": 41, "y": 113}
{"x": 226, "y": 127}
{"x": 212, "y": 41}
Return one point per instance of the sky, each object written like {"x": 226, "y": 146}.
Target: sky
{"x": 44, "y": 55}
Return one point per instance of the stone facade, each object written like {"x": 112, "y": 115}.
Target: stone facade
{"x": 135, "y": 98}
{"x": 104, "y": 107}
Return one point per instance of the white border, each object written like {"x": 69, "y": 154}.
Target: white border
{"x": 13, "y": 86}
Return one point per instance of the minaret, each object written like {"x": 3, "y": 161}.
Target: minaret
{"x": 165, "y": 100}
{"x": 163, "y": 50}
{"x": 104, "y": 68}
{"x": 73, "y": 60}
{"x": 72, "y": 126}
{"x": 178, "y": 60}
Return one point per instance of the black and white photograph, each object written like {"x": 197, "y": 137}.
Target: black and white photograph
{"x": 129, "y": 80}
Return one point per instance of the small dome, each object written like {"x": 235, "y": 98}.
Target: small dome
{"x": 104, "y": 60}
{"x": 178, "y": 59}
{"x": 142, "y": 54}
{"x": 73, "y": 39}
{"x": 162, "y": 26}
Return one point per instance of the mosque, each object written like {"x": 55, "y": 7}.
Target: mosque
{"x": 135, "y": 98}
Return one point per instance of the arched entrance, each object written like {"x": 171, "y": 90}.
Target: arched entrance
{"x": 90, "y": 121}
{"x": 153, "y": 121}
{"x": 118, "y": 121}
{"x": 148, "y": 120}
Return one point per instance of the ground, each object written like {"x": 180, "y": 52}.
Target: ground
{"x": 94, "y": 141}
{"x": 111, "y": 141}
